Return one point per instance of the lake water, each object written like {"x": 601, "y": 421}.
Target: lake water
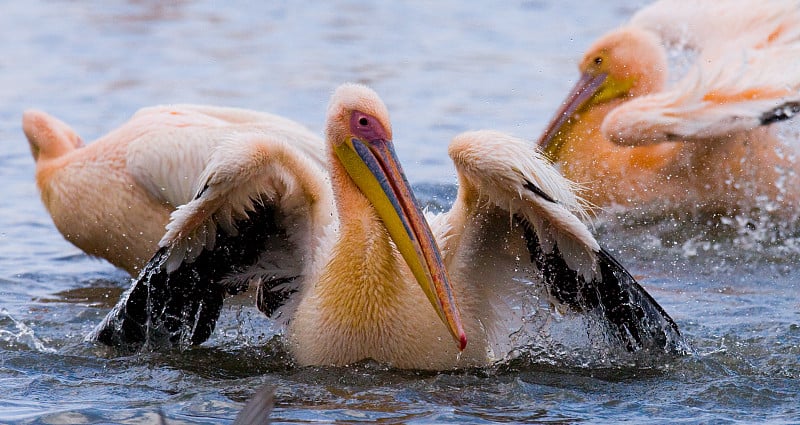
{"x": 442, "y": 68}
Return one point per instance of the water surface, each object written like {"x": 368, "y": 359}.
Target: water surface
{"x": 442, "y": 68}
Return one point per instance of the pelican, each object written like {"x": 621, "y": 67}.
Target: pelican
{"x": 112, "y": 198}
{"x": 354, "y": 267}
{"x": 675, "y": 107}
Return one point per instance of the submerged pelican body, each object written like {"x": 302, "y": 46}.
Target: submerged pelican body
{"x": 113, "y": 197}
{"x": 356, "y": 270}
{"x": 676, "y": 108}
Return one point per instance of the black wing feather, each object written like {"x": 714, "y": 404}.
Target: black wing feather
{"x": 781, "y": 113}
{"x": 637, "y": 319}
{"x": 182, "y": 307}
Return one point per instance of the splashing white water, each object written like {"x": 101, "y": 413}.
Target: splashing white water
{"x": 23, "y": 335}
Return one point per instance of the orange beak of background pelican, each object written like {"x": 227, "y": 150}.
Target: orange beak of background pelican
{"x": 374, "y": 167}
{"x": 586, "y": 87}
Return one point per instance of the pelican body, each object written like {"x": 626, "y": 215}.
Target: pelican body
{"x": 345, "y": 255}
{"x": 676, "y": 108}
{"x": 112, "y": 198}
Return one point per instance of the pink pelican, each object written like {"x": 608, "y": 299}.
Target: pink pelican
{"x": 112, "y": 198}
{"x": 635, "y": 130}
{"x": 354, "y": 266}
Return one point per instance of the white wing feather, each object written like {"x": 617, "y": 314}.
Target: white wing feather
{"x": 745, "y": 57}
{"x": 501, "y": 170}
{"x": 241, "y": 172}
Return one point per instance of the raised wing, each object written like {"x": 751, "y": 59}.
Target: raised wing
{"x": 737, "y": 94}
{"x": 704, "y": 25}
{"x": 171, "y": 144}
{"x": 738, "y": 77}
{"x": 258, "y": 217}
{"x": 515, "y": 219}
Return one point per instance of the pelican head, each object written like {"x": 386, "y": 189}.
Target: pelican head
{"x": 360, "y": 135}
{"x": 625, "y": 63}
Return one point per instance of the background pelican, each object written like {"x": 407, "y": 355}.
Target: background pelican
{"x": 112, "y": 198}
{"x": 344, "y": 259}
{"x": 675, "y": 107}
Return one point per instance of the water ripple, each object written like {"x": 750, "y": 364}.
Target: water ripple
{"x": 730, "y": 283}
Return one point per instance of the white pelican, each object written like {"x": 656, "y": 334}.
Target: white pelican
{"x": 344, "y": 259}
{"x": 675, "y": 107}
{"x": 112, "y": 198}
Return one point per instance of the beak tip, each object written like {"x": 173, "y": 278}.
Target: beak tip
{"x": 462, "y": 342}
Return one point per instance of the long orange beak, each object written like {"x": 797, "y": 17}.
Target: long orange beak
{"x": 374, "y": 167}
{"x": 586, "y": 87}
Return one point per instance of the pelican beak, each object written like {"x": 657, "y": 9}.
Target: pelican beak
{"x": 553, "y": 137}
{"x": 374, "y": 167}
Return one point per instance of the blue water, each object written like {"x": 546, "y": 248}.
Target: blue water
{"x": 442, "y": 68}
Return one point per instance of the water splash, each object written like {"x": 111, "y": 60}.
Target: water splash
{"x": 538, "y": 333}
{"x": 24, "y": 335}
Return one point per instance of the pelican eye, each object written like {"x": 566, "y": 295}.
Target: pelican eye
{"x": 598, "y": 60}
{"x": 366, "y": 127}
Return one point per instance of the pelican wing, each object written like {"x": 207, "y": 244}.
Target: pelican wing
{"x": 738, "y": 94}
{"x": 706, "y": 25}
{"x": 258, "y": 215}
{"x": 171, "y": 144}
{"x": 740, "y": 54}
{"x": 515, "y": 212}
